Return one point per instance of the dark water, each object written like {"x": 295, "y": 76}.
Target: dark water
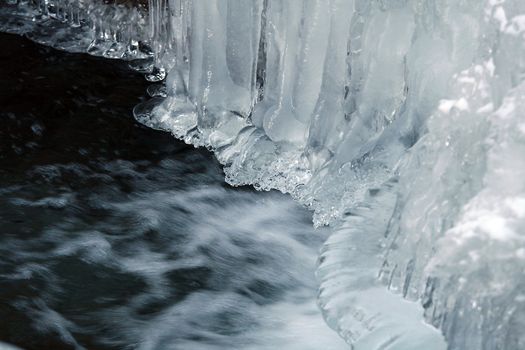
{"x": 115, "y": 236}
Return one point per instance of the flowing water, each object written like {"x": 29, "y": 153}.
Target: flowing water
{"x": 116, "y": 236}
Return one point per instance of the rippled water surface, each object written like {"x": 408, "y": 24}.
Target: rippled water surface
{"x": 114, "y": 236}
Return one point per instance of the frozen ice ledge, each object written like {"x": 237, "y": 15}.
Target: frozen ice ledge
{"x": 401, "y": 123}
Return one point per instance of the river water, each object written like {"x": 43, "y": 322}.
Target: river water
{"x": 115, "y": 236}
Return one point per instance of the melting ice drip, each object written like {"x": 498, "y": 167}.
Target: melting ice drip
{"x": 401, "y": 123}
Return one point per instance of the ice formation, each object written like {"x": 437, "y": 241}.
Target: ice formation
{"x": 399, "y": 122}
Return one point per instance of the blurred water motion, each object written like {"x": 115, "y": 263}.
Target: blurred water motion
{"x": 115, "y": 236}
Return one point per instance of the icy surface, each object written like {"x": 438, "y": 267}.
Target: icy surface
{"x": 400, "y": 123}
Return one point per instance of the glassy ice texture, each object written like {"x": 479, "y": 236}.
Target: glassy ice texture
{"x": 401, "y": 123}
